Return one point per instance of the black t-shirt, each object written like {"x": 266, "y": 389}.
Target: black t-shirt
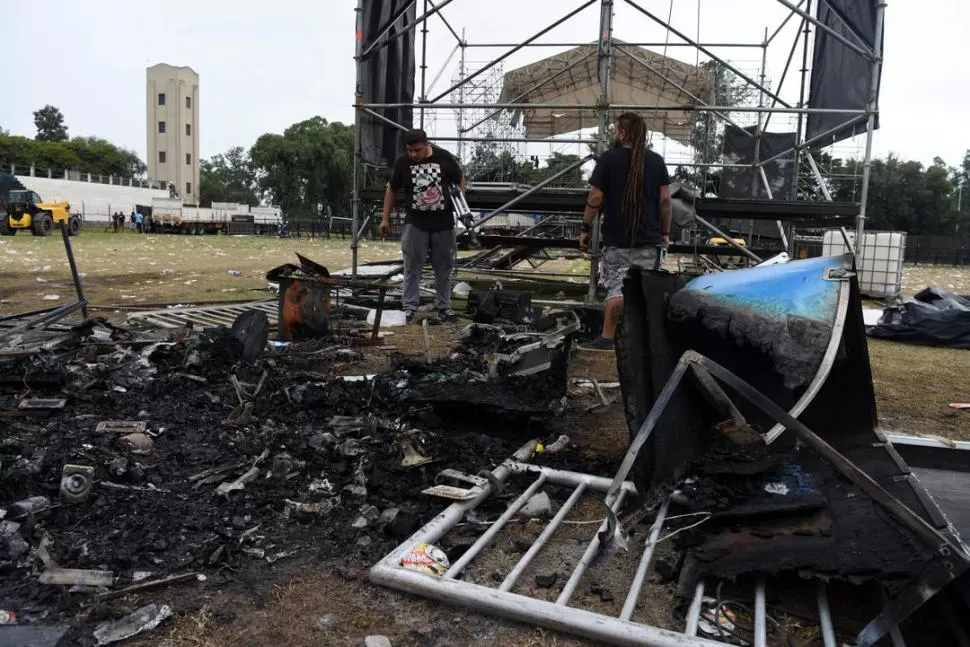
{"x": 424, "y": 184}
{"x": 609, "y": 176}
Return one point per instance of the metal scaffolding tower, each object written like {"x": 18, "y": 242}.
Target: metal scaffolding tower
{"x": 467, "y": 94}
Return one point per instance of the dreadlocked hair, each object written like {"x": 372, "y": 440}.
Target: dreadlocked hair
{"x": 632, "y": 205}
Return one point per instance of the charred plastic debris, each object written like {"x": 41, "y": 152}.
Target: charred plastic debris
{"x": 137, "y": 459}
{"x": 753, "y": 457}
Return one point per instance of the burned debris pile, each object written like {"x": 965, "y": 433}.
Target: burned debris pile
{"x": 164, "y": 453}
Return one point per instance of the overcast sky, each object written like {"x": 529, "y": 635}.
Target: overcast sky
{"x": 264, "y": 66}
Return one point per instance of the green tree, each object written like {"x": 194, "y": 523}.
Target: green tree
{"x": 86, "y": 154}
{"x": 554, "y": 164}
{"x": 50, "y": 125}
{"x": 307, "y": 169}
{"x": 228, "y": 177}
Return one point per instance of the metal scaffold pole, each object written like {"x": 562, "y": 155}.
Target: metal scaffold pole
{"x": 604, "y": 61}
{"x": 871, "y": 109}
{"x": 358, "y": 101}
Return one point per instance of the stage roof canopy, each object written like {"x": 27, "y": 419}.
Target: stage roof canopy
{"x": 638, "y": 76}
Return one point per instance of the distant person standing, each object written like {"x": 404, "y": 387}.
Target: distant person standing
{"x": 139, "y": 222}
{"x": 132, "y": 220}
{"x": 631, "y": 183}
{"x": 425, "y": 172}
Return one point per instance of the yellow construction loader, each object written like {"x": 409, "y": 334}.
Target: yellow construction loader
{"x": 25, "y": 210}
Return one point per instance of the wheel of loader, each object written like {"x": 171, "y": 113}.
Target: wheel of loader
{"x": 5, "y": 229}
{"x": 43, "y": 224}
{"x": 74, "y": 226}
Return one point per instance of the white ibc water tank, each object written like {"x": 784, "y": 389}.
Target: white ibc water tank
{"x": 879, "y": 260}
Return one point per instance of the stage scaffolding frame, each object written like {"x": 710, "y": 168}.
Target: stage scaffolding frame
{"x": 770, "y": 102}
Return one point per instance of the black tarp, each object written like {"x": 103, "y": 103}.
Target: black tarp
{"x": 739, "y": 148}
{"x": 841, "y": 77}
{"x": 933, "y": 317}
{"x": 386, "y": 76}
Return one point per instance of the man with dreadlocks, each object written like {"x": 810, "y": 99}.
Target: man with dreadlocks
{"x": 631, "y": 184}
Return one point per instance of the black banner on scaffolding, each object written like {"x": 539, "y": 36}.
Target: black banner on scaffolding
{"x": 739, "y": 148}
{"x": 387, "y": 76}
{"x": 841, "y": 77}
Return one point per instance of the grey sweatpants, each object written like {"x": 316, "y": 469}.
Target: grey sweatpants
{"x": 418, "y": 247}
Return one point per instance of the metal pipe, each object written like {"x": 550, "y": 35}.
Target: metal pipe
{"x": 512, "y": 51}
{"x": 634, "y": 594}
{"x": 494, "y": 529}
{"x": 799, "y": 133}
{"x": 745, "y": 45}
{"x": 761, "y": 103}
{"x": 591, "y": 551}
{"x": 531, "y": 190}
{"x": 760, "y": 615}
{"x": 895, "y": 636}
{"x": 435, "y": 529}
{"x": 78, "y": 288}
{"x": 730, "y": 241}
{"x": 444, "y": 67}
{"x": 461, "y": 96}
{"x": 872, "y": 55}
{"x": 541, "y": 540}
{"x": 389, "y": 122}
{"x": 531, "y": 611}
{"x": 783, "y": 23}
{"x": 871, "y": 108}
{"x": 818, "y": 177}
{"x": 435, "y": 105}
{"x": 444, "y": 20}
{"x": 694, "y": 611}
{"x": 424, "y": 63}
{"x": 519, "y": 140}
{"x": 706, "y": 51}
{"x": 825, "y": 616}
{"x": 848, "y": 242}
{"x": 781, "y": 81}
{"x": 398, "y": 34}
{"x": 770, "y": 193}
{"x": 604, "y": 66}
{"x": 355, "y": 174}
{"x": 571, "y": 479}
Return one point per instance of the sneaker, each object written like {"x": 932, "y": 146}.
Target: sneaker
{"x": 599, "y": 344}
{"x": 409, "y": 316}
{"x": 447, "y": 315}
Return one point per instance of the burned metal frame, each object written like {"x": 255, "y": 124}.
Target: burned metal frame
{"x": 604, "y": 105}
{"x": 621, "y": 629}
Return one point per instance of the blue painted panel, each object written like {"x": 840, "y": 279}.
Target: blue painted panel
{"x": 795, "y": 288}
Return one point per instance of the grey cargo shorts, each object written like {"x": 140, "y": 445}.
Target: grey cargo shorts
{"x": 616, "y": 261}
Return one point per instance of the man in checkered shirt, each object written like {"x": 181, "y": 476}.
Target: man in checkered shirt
{"x": 424, "y": 172}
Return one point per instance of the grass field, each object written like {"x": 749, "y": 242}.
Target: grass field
{"x": 913, "y": 384}
{"x": 128, "y": 268}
